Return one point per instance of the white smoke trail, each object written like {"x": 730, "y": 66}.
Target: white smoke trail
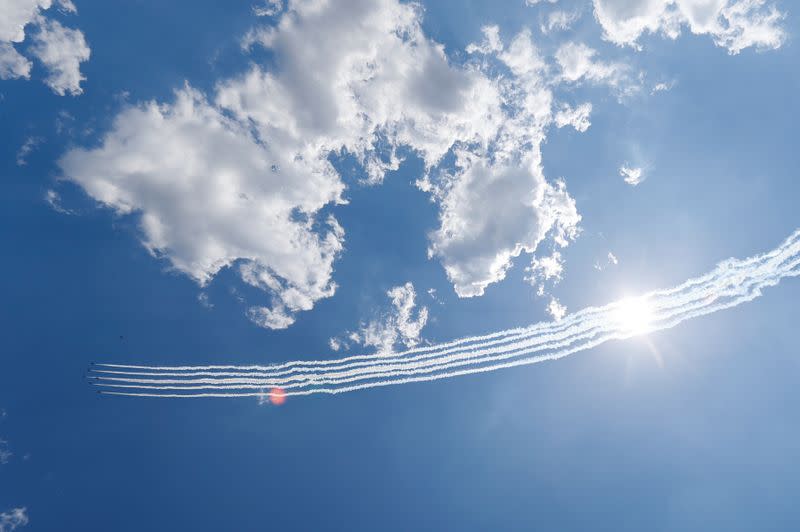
{"x": 541, "y": 330}
{"x": 731, "y": 283}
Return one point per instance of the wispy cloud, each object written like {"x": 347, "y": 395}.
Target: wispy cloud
{"x": 5, "y": 452}
{"x": 559, "y": 20}
{"x": 401, "y": 325}
{"x": 632, "y": 175}
{"x": 610, "y": 260}
{"x": 27, "y": 148}
{"x": 53, "y": 198}
{"x": 13, "y": 519}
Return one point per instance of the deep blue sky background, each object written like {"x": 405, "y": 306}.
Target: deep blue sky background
{"x": 605, "y": 440}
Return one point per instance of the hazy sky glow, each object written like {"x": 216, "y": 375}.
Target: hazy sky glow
{"x": 285, "y": 200}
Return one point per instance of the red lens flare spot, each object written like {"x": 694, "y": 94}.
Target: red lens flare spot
{"x": 277, "y": 396}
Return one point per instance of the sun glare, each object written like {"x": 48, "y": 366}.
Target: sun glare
{"x": 633, "y": 315}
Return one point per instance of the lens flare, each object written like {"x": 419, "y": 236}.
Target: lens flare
{"x": 277, "y": 396}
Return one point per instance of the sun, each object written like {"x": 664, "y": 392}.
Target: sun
{"x": 634, "y": 315}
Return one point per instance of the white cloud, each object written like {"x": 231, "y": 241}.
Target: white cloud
{"x": 12, "y": 63}
{"x": 632, "y": 175}
{"x": 204, "y": 301}
{"x": 5, "y": 454}
{"x": 208, "y": 194}
{"x": 491, "y": 214}
{"x": 410, "y": 95}
{"x": 610, "y": 260}
{"x": 12, "y": 519}
{"x": 383, "y": 84}
{"x": 578, "y": 63}
{"x": 268, "y": 8}
{"x": 662, "y": 87}
{"x": 559, "y": 20}
{"x": 400, "y": 325}
{"x": 53, "y": 198}
{"x": 548, "y": 268}
{"x": 277, "y": 317}
{"x": 545, "y": 271}
{"x": 577, "y": 117}
{"x": 60, "y": 49}
{"x": 732, "y": 24}
{"x": 15, "y": 15}
{"x": 433, "y": 295}
{"x": 26, "y": 149}
{"x": 243, "y": 178}
{"x": 491, "y": 41}
{"x": 556, "y": 309}
{"x": 496, "y": 203}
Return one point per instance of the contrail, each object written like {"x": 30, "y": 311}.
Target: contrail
{"x": 731, "y": 283}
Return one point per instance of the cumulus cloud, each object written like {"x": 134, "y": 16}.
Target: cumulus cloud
{"x": 556, "y": 309}
{"x": 545, "y": 272}
{"x": 577, "y": 117}
{"x": 14, "y": 16}
{"x": 13, "y": 519}
{"x": 559, "y": 20}
{"x": 549, "y": 268}
{"x": 240, "y": 179}
{"x": 631, "y": 174}
{"x": 208, "y": 194}
{"x": 384, "y": 84}
{"x": 732, "y": 24}
{"x": 496, "y": 203}
{"x": 491, "y": 42}
{"x": 12, "y": 63}
{"x": 494, "y": 212}
{"x": 401, "y": 325}
{"x": 61, "y": 50}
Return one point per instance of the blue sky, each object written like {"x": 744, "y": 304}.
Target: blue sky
{"x": 171, "y": 210}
